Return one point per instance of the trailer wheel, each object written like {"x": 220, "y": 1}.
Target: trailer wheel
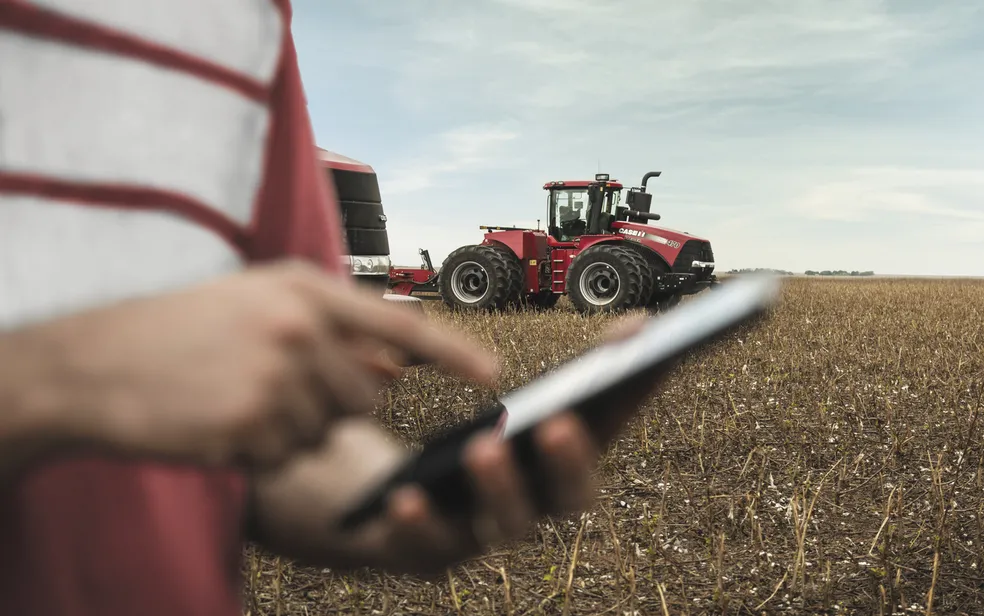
{"x": 481, "y": 278}
{"x": 609, "y": 278}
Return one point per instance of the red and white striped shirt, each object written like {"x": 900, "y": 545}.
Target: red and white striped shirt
{"x": 144, "y": 146}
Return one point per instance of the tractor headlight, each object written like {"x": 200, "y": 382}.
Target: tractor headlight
{"x": 374, "y": 265}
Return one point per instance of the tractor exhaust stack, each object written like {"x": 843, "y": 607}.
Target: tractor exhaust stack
{"x": 639, "y": 201}
{"x": 651, "y": 174}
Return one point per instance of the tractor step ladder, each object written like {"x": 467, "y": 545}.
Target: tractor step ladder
{"x": 558, "y": 270}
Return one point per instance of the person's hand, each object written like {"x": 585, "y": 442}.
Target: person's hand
{"x": 417, "y": 539}
{"x": 250, "y": 368}
{"x": 421, "y": 541}
{"x": 297, "y": 506}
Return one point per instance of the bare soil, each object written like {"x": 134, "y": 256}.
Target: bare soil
{"x": 827, "y": 462}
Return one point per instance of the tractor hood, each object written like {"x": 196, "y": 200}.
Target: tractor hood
{"x": 654, "y": 233}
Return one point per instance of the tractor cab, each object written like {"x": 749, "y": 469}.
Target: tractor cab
{"x": 581, "y": 207}
{"x": 591, "y": 208}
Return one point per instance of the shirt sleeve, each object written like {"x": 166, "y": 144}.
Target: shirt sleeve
{"x": 297, "y": 213}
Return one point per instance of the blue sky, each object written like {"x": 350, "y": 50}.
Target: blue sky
{"x": 800, "y": 134}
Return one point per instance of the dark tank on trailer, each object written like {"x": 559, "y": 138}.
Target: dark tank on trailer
{"x": 357, "y": 191}
{"x": 366, "y": 236}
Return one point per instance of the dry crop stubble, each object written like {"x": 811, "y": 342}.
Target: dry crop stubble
{"x": 829, "y": 460}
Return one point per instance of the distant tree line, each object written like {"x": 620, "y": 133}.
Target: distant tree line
{"x": 839, "y": 273}
{"x": 755, "y": 270}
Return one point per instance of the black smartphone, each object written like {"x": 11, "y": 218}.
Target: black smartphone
{"x": 583, "y": 385}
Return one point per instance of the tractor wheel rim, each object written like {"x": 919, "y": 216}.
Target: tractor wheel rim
{"x": 469, "y": 282}
{"x": 599, "y": 284}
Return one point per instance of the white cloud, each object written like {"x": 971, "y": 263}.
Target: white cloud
{"x": 457, "y": 151}
{"x": 869, "y": 194}
{"x": 970, "y": 233}
{"x": 594, "y": 56}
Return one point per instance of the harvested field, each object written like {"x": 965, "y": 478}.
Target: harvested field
{"x": 829, "y": 461}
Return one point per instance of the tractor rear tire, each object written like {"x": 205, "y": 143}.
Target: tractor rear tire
{"x": 481, "y": 278}
{"x": 609, "y": 278}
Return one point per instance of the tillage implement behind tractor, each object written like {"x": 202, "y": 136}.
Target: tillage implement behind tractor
{"x": 599, "y": 251}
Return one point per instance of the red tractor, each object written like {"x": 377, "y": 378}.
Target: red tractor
{"x": 603, "y": 254}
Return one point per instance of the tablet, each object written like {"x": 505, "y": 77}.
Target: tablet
{"x": 582, "y": 385}
{"x": 665, "y": 338}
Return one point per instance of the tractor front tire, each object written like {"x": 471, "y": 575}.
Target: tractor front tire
{"x": 481, "y": 278}
{"x": 609, "y": 278}
{"x": 659, "y": 301}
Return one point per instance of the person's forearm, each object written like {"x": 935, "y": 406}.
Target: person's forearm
{"x": 29, "y": 406}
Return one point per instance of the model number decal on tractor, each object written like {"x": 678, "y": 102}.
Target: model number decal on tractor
{"x": 655, "y": 238}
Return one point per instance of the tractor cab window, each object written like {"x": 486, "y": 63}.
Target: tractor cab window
{"x": 569, "y": 211}
{"x": 613, "y": 201}
{"x": 608, "y": 215}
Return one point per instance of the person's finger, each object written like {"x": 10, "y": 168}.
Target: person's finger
{"x": 305, "y": 413}
{"x": 348, "y": 387}
{"x": 405, "y": 360}
{"x": 355, "y": 311}
{"x": 569, "y": 454}
{"x": 500, "y": 487}
{"x": 267, "y": 445}
{"x": 416, "y": 533}
{"x": 386, "y": 367}
{"x": 421, "y": 341}
{"x": 377, "y": 359}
